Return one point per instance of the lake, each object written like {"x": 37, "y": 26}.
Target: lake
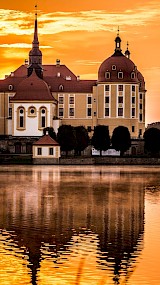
{"x": 79, "y": 225}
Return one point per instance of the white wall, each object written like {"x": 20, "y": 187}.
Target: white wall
{"x": 31, "y": 122}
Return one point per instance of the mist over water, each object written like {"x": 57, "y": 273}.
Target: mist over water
{"x": 79, "y": 225}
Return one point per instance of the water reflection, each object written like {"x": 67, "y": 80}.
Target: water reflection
{"x": 77, "y": 225}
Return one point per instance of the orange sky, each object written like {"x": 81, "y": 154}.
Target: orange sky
{"x": 81, "y": 34}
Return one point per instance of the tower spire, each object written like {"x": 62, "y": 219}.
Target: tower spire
{"x": 35, "y": 55}
{"x": 127, "y": 52}
{"x": 118, "y": 44}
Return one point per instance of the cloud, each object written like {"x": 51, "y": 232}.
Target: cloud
{"x": 20, "y": 45}
{"x": 21, "y": 23}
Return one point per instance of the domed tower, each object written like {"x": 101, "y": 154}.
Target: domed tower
{"x": 121, "y": 93}
{"x": 35, "y": 55}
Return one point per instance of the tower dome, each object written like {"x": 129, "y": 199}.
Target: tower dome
{"x": 118, "y": 67}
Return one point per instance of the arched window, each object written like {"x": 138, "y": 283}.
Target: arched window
{"x": 42, "y": 117}
{"x": 21, "y": 118}
{"x": 61, "y": 87}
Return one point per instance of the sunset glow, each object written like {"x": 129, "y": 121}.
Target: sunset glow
{"x": 82, "y": 35}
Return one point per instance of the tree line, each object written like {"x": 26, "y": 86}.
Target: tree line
{"x": 77, "y": 139}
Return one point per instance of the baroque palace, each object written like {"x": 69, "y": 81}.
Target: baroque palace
{"x": 36, "y": 96}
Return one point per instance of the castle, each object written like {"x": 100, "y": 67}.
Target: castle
{"x": 36, "y": 96}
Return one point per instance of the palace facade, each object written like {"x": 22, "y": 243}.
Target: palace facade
{"x": 36, "y": 96}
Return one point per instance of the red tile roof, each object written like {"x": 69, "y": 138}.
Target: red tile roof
{"x": 33, "y": 88}
{"x": 46, "y": 140}
{"x": 54, "y": 76}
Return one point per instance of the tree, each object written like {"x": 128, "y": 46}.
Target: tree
{"x": 82, "y": 139}
{"x": 51, "y": 132}
{"x": 101, "y": 138}
{"x": 66, "y": 138}
{"x": 152, "y": 140}
{"x": 121, "y": 140}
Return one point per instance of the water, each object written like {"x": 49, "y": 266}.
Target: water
{"x": 79, "y": 225}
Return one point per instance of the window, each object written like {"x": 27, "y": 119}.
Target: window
{"x": 133, "y": 112}
{"x": 133, "y": 100}
{"x": 140, "y": 106}
{"x": 10, "y": 87}
{"x": 89, "y": 111}
{"x": 133, "y": 129}
{"x": 21, "y": 118}
{"x": 31, "y": 111}
{"x": 140, "y": 132}
{"x": 71, "y": 112}
{"x": 39, "y": 151}
{"x": 61, "y": 87}
{"x": 133, "y": 88}
{"x": 42, "y": 118}
{"x": 71, "y": 100}
{"x": 107, "y": 100}
{"x": 140, "y": 96}
{"x": 60, "y": 112}
{"x": 120, "y": 87}
{"x": 113, "y": 67}
{"x": 95, "y": 114}
{"x": 89, "y": 100}
{"x": 120, "y": 112}
{"x": 132, "y": 75}
{"x": 10, "y": 112}
{"x": 106, "y": 87}
{"x": 120, "y": 75}
{"x": 106, "y": 112}
{"x": 107, "y": 75}
{"x": 140, "y": 117}
{"x": 51, "y": 151}
{"x": 61, "y": 100}
{"x": 120, "y": 100}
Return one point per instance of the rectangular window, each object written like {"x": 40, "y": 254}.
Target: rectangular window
{"x": 10, "y": 112}
{"x": 71, "y": 100}
{"x": 120, "y": 112}
{"x": 120, "y": 87}
{"x": 60, "y": 112}
{"x": 106, "y": 112}
{"x": 43, "y": 122}
{"x": 133, "y": 100}
{"x": 140, "y": 117}
{"x": 141, "y": 96}
{"x": 89, "y": 100}
{"x": 61, "y": 100}
{"x": 95, "y": 114}
{"x": 140, "y": 106}
{"x": 89, "y": 112}
{"x": 120, "y": 99}
{"x": 51, "y": 151}
{"x": 133, "y": 112}
{"x": 120, "y": 75}
{"x": 39, "y": 151}
{"x": 133, "y": 88}
{"x": 133, "y": 129}
{"x": 106, "y": 87}
{"x": 21, "y": 122}
{"x": 107, "y": 75}
{"x": 107, "y": 100}
{"x": 71, "y": 112}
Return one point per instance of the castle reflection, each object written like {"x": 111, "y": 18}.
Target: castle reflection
{"x": 67, "y": 216}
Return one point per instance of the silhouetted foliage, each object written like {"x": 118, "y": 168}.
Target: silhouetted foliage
{"x": 152, "y": 140}
{"x": 82, "y": 139}
{"x": 66, "y": 138}
{"x": 121, "y": 140}
{"x": 101, "y": 138}
{"x": 51, "y": 132}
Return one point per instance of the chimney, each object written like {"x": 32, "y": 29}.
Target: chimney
{"x": 78, "y": 77}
